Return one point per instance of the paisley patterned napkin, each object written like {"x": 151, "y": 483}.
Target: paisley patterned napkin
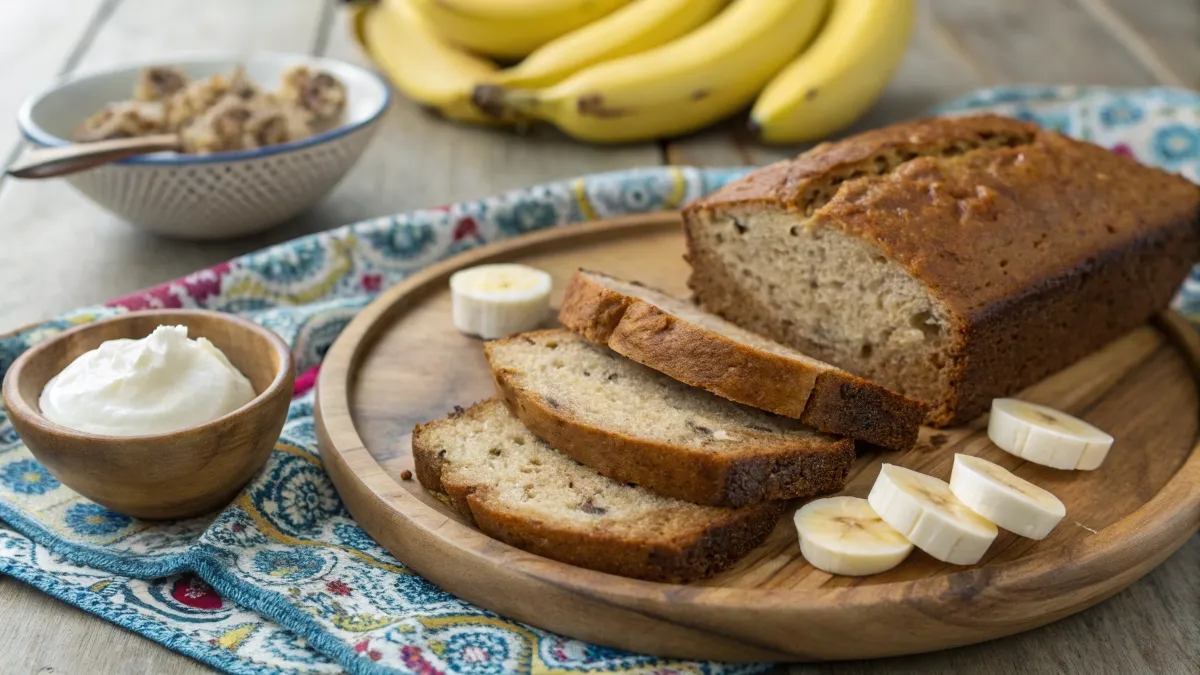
{"x": 283, "y": 580}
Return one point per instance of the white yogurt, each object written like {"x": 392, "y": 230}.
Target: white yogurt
{"x": 162, "y": 383}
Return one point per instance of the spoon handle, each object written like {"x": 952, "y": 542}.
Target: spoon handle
{"x": 51, "y": 162}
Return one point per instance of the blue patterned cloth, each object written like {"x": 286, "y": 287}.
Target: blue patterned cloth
{"x": 283, "y": 580}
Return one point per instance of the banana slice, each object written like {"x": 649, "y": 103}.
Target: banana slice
{"x": 1046, "y": 436}
{"x": 495, "y": 301}
{"x": 1004, "y": 498}
{"x": 844, "y": 535}
{"x": 924, "y": 510}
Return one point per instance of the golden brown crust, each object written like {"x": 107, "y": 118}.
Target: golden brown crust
{"x": 698, "y": 554}
{"x": 830, "y": 400}
{"x": 702, "y": 554}
{"x": 762, "y": 472}
{"x": 794, "y": 183}
{"x": 1042, "y": 248}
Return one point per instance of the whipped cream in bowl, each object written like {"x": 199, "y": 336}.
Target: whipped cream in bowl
{"x": 161, "y": 383}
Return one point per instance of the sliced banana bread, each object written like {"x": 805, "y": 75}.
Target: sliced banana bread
{"x": 675, "y": 337}
{"x": 636, "y": 425}
{"x": 954, "y": 260}
{"x": 521, "y": 491}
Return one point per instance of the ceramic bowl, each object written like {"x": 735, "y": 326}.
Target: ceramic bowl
{"x": 174, "y": 475}
{"x": 221, "y": 195}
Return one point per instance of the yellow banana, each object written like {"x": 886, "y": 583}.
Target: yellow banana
{"x": 837, "y": 79}
{"x": 678, "y": 87}
{"x": 505, "y": 35}
{"x": 634, "y": 28}
{"x": 422, "y": 65}
{"x": 514, "y": 9}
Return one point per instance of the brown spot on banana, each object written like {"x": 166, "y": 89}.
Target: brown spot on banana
{"x": 699, "y": 95}
{"x": 593, "y": 105}
{"x": 490, "y": 99}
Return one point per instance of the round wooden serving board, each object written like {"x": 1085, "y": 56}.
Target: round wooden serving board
{"x": 401, "y": 362}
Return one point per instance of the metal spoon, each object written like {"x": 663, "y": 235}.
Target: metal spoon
{"x": 60, "y": 161}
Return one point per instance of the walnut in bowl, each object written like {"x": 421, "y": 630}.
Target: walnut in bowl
{"x": 222, "y": 113}
{"x": 259, "y": 155}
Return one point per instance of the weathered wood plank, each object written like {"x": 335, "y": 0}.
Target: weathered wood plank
{"x": 61, "y": 251}
{"x": 43, "y": 636}
{"x": 418, "y": 160}
{"x": 84, "y": 255}
{"x": 1163, "y": 36}
{"x": 141, "y": 30}
{"x": 36, "y": 43}
{"x": 1042, "y": 41}
{"x": 1153, "y": 627}
{"x": 932, "y": 71}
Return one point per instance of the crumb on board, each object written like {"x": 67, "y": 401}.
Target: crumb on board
{"x": 406, "y": 475}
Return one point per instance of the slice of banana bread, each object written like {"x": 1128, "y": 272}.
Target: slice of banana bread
{"x": 521, "y": 491}
{"x": 675, "y": 337}
{"x": 954, "y": 260}
{"x": 639, "y": 426}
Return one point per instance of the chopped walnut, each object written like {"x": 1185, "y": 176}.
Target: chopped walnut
{"x": 318, "y": 93}
{"x": 266, "y": 127}
{"x": 220, "y": 128}
{"x": 222, "y": 112}
{"x": 241, "y": 86}
{"x": 158, "y": 83}
{"x": 123, "y": 120}
{"x": 298, "y": 124}
{"x": 194, "y": 100}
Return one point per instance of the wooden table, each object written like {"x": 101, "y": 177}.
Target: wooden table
{"x": 58, "y": 251}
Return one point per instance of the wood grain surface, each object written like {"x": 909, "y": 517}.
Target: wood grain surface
{"x": 62, "y": 252}
{"x": 401, "y": 362}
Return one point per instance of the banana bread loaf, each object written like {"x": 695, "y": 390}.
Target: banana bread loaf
{"x": 514, "y": 487}
{"x": 953, "y": 260}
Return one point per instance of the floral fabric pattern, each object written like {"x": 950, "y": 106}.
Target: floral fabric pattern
{"x": 27, "y": 477}
{"x": 282, "y": 580}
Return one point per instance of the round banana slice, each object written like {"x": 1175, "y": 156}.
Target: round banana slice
{"x": 844, "y": 535}
{"x": 495, "y": 301}
{"x": 1007, "y": 500}
{"x": 1046, "y": 436}
{"x": 923, "y": 509}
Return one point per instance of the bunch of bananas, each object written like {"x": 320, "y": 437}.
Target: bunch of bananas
{"x": 611, "y": 71}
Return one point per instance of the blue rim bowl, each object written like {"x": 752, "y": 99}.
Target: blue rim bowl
{"x": 200, "y": 65}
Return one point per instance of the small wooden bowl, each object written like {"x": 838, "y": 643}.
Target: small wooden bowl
{"x": 174, "y": 475}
